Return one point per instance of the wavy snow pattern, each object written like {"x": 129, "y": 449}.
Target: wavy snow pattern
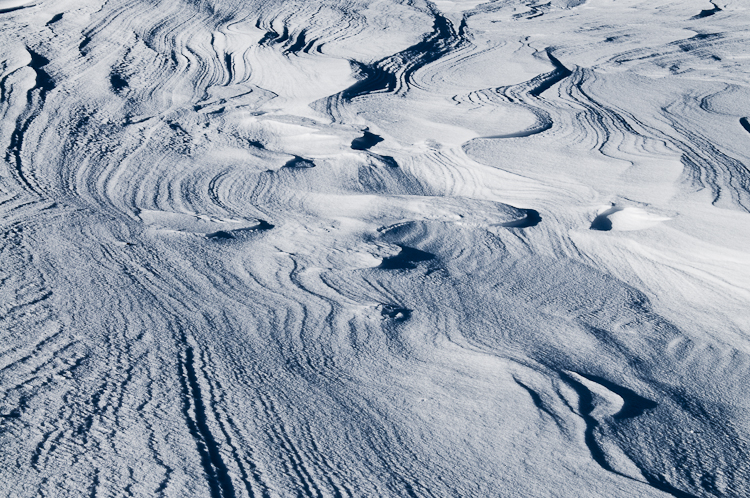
{"x": 355, "y": 248}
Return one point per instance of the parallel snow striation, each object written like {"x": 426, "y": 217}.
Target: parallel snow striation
{"x": 374, "y": 249}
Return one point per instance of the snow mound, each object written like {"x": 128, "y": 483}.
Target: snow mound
{"x": 625, "y": 219}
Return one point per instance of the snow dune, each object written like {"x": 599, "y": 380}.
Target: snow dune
{"x": 374, "y": 248}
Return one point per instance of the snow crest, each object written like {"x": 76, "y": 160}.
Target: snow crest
{"x": 374, "y": 248}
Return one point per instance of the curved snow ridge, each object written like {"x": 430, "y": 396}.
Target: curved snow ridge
{"x": 211, "y": 227}
{"x": 622, "y": 403}
{"x": 398, "y": 209}
{"x": 394, "y": 74}
{"x": 342, "y": 248}
{"x": 624, "y": 219}
{"x": 525, "y": 94}
{"x": 600, "y": 399}
{"x": 12, "y": 5}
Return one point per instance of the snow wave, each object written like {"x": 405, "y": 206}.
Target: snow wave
{"x": 374, "y": 248}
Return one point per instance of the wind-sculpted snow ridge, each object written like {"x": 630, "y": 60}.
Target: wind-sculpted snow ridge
{"x": 374, "y": 248}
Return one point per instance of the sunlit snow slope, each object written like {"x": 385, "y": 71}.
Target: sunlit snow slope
{"x": 374, "y": 248}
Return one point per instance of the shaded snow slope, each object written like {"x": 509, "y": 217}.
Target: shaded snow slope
{"x": 374, "y": 248}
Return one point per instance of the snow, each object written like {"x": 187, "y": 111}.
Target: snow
{"x": 374, "y": 248}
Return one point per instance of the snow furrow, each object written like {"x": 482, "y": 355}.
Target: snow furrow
{"x": 342, "y": 248}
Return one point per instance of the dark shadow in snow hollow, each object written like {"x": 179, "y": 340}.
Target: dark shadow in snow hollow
{"x": 13, "y": 9}
{"x": 395, "y": 312}
{"x": 406, "y": 259}
{"x": 633, "y": 403}
{"x": 602, "y": 222}
{"x": 366, "y": 141}
{"x": 299, "y": 162}
{"x": 44, "y": 82}
{"x": 531, "y": 219}
{"x": 239, "y": 232}
{"x": 386, "y": 160}
{"x": 118, "y": 82}
{"x": 707, "y": 12}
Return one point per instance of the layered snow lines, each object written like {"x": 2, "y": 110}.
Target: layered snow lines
{"x": 374, "y": 248}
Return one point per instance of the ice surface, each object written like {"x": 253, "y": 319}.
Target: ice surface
{"x": 375, "y": 248}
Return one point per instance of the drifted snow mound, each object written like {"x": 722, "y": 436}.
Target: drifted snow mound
{"x": 625, "y": 219}
{"x": 341, "y": 248}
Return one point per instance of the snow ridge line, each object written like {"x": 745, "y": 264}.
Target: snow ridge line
{"x": 196, "y": 416}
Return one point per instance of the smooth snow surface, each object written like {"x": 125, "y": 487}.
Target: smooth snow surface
{"x": 375, "y": 248}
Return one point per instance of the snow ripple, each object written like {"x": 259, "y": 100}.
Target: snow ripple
{"x": 374, "y": 248}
